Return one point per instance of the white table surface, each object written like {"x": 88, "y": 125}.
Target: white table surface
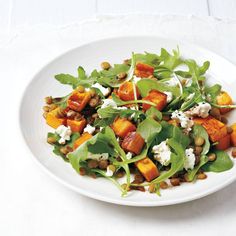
{"x": 31, "y": 203}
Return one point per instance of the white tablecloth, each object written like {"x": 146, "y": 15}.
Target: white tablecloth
{"x": 31, "y": 203}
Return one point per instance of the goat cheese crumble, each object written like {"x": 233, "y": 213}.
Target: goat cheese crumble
{"x": 185, "y": 121}
{"x": 104, "y": 91}
{"x": 169, "y": 96}
{"x": 129, "y": 155}
{"x": 162, "y": 153}
{"x": 98, "y": 156}
{"x": 64, "y": 133}
{"x": 171, "y": 82}
{"x": 189, "y": 159}
{"x": 201, "y": 109}
{"x": 108, "y": 103}
{"x": 89, "y": 129}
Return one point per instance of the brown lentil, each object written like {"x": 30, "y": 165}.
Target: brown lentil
{"x": 64, "y": 150}
{"x": 211, "y": 156}
{"x": 119, "y": 174}
{"x": 224, "y": 120}
{"x": 61, "y": 113}
{"x": 93, "y": 175}
{"x": 234, "y": 153}
{"x": 152, "y": 188}
{"x": 105, "y": 65}
{"x": 51, "y": 140}
{"x": 215, "y": 112}
{"x": 197, "y": 160}
{"x": 69, "y": 148}
{"x": 198, "y": 150}
{"x": 138, "y": 178}
{"x": 201, "y": 176}
{"x": 48, "y": 100}
{"x": 93, "y": 102}
{"x": 103, "y": 164}
{"x": 78, "y": 117}
{"x": 92, "y": 92}
{"x": 112, "y": 168}
{"x": 175, "y": 181}
{"x": 163, "y": 185}
{"x": 166, "y": 118}
{"x": 229, "y": 130}
{"x": 121, "y": 75}
{"x": 92, "y": 164}
{"x": 82, "y": 171}
{"x": 124, "y": 186}
{"x": 199, "y": 141}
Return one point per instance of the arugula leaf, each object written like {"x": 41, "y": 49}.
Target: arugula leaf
{"x": 67, "y": 79}
{"x": 153, "y": 112}
{"x": 222, "y": 163}
{"x": 199, "y": 131}
{"x": 213, "y": 91}
{"x": 145, "y": 85}
{"x": 176, "y": 160}
{"x": 148, "y": 127}
{"x": 192, "y": 173}
{"x": 148, "y": 58}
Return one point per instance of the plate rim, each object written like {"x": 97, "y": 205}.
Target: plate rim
{"x": 99, "y": 196}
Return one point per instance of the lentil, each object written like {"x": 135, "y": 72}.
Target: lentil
{"x": 212, "y": 157}
{"x": 199, "y": 141}
{"x": 163, "y": 185}
{"x": 201, "y": 176}
{"x": 234, "y": 153}
{"x": 103, "y": 164}
{"x": 175, "y": 181}
{"x": 92, "y": 164}
{"x": 105, "y": 65}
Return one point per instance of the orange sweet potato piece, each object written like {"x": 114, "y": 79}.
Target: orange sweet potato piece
{"x": 52, "y": 119}
{"x": 83, "y": 138}
{"x": 147, "y": 168}
{"x": 224, "y": 99}
{"x": 143, "y": 70}
{"x": 126, "y": 91}
{"x": 77, "y": 101}
{"x": 198, "y": 120}
{"x": 233, "y": 135}
{"x": 157, "y": 97}
{"x": 76, "y": 125}
{"x": 122, "y": 126}
{"x": 215, "y": 129}
{"x": 133, "y": 142}
{"x": 223, "y": 143}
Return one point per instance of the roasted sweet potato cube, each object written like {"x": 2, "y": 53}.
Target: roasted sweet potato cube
{"x": 224, "y": 99}
{"x": 76, "y": 125}
{"x": 52, "y": 119}
{"x": 126, "y": 91}
{"x": 77, "y": 101}
{"x": 223, "y": 143}
{"x": 233, "y": 135}
{"x": 122, "y": 126}
{"x": 215, "y": 129}
{"x": 147, "y": 168}
{"x": 133, "y": 142}
{"x": 143, "y": 70}
{"x": 82, "y": 139}
{"x": 198, "y": 120}
{"x": 157, "y": 97}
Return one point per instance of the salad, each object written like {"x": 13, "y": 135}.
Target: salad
{"x": 149, "y": 123}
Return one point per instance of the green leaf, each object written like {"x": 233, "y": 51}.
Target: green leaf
{"x": 213, "y": 91}
{"x": 192, "y": 173}
{"x": 177, "y": 161}
{"x": 199, "y": 131}
{"x": 145, "y": 85}
{"x": 67, "y": 79}
{"x": 153, "y": 112}
{"x": 148, "y": 58}
{"x": 81, "y": 73}
{"x": 148, "y": 127}
{"x": 222, "y": 163}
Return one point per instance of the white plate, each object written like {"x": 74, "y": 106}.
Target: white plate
{"x": 90, "y": 56}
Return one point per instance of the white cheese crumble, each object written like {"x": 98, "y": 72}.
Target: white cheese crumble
{"x": 89, "y": 129}
{"x": 64, "y": 133}
{"x": 129, "y": 155}
{"x": 190, "y": 96}
{"x": 109, "y": 172}
{"x": 108, "y": 103}
{"x": 98, "y": 156}
{"x": 162, "y": 153}
{"x": 188, "y": 82}
{"x": 104, "y": 91}
{"x": 171, "y": 82}
{"x": 169, "y": 96}
{"x": 201, "y": 109}
{"x": 189, "y": 159}
{"x": 136, "y": 79}
{"x": 185, "y": 121}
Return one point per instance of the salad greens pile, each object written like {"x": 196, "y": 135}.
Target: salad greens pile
{"x": 152, "y": 120}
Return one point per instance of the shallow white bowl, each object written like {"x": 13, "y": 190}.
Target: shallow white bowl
{"x": 90, "y": 56}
